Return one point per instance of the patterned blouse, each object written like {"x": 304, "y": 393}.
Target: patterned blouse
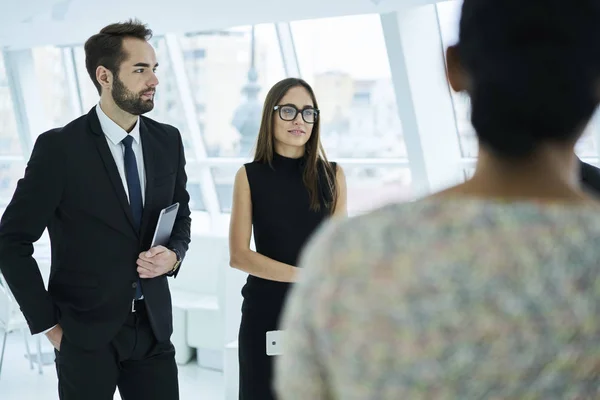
{"x": 448, "y": 299}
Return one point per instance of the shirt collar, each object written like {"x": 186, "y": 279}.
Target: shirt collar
{"x": 114, "y": 132}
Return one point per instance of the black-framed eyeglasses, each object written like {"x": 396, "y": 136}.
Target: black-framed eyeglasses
{"x": 288, "y": 112}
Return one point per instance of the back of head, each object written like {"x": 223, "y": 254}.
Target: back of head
{"x": 533, "y": 69}
{"x": 106, "y": 47}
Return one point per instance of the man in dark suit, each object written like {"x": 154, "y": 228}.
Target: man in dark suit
{"x": 98, "y": 184}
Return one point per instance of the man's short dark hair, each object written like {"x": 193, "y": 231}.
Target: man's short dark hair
{"x": 106, "y": 47}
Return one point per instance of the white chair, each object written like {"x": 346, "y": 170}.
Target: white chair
{"x": 12, "y": 319}
{"x": 196, "y": 310}
{"x": 206, "y": 302}
{"x": 206, "y": 320}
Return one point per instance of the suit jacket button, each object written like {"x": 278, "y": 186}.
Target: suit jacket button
{"x": 134, "y": 285}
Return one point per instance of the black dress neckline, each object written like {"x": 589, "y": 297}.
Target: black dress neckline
{"x": 288, "y": 162}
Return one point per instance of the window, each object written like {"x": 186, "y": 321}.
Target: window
{"x": 52, "y": 79}
{"x": 373, "y": 187}
{"x": 168, "y": 104}
{"x": 194, "y": 54}
{"x": 9, "y": 137}
{"x": 588, "y": 144}
{"x": 194, "y": 189}
{"x": 349, "y": 71}
{"x": 224, "y": 178}
{"x": 194, "y": 186}
{"x": 468, "y": 173}
{"x": 87, "y": 90}
{"x": 228, "y": 97}
{"x": 449, "y": 16}
{"x": 10, "y": 173}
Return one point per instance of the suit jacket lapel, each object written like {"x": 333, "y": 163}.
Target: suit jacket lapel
{"x": 111, "y": 167}
{"x": 149, "y": 147}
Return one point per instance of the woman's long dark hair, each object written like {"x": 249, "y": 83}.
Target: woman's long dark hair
{"x": 314, "y": 152}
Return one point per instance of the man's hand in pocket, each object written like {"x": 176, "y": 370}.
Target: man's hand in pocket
{"x": 55, "y": 336}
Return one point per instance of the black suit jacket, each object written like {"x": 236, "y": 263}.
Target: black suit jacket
{"x": 72, "y": 187}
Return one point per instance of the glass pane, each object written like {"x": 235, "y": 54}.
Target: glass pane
{"x": 194, "y": 187}
{"x": 10, "y": 173}
{"x": 224, "y": 178}
{"x": 168, "y": 106}
{"x": 587, "y": 145}
{"x": 449, "y": 16}
{"x": 196, "y": 201}
{"x": 228, "y": 97}
{"x": 9, "y": 138}
{"x": 468, "y": 173}
{"x": 356, "y": 96}
{"x": 373, "y": 187}
{"x": 87, "y": 90}
{"x": 54, "y": 88}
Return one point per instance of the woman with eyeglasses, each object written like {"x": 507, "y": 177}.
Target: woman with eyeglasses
{"x": 284, "y": 195}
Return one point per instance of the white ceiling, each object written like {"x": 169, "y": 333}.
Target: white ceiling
{"x": 30, "y": 23}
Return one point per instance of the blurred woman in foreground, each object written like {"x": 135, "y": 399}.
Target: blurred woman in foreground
{"x": 490, "y": 289}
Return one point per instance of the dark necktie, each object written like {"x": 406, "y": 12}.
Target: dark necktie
{"x": 135, "y": 192}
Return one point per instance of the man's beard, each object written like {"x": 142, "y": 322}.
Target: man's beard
{"x": 129, "y": 101}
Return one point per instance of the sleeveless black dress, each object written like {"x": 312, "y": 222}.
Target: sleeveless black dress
{"x": 282, "y": 223}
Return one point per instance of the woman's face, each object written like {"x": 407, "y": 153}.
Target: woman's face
{"x": 291, "y": 129}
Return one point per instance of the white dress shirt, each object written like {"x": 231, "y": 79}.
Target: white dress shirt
{"x": 114, "y": 135}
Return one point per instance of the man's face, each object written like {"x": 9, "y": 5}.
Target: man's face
{"x": 135, "y": 84}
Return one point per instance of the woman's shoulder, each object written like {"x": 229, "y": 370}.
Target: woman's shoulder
{"x": 461, "y": 226}
{"x": 255, "y": 167}
{"x": 253, "y": 164}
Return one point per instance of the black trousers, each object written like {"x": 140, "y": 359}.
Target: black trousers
{"x": 133, "y": 361}
{"x": 256, "y": 367}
